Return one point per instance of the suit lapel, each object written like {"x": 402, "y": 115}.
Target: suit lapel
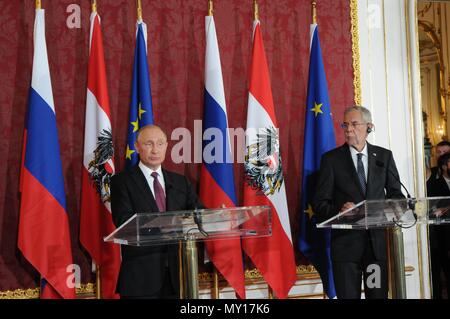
{"x": 350, "y": 167}
{"x": 142, "y": 186}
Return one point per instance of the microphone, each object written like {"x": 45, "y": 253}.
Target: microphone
{"x": 381, "y": 165}
{"x": 411, "y": 201}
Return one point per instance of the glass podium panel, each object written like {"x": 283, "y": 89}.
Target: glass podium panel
{"x": 404, "y": 213}
{"x": 202, "y": 224}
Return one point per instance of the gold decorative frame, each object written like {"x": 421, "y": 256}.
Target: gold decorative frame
{"x": 355, "y": 51}
{"x": 430, "y": 30}
{"x": 85, "y": 291}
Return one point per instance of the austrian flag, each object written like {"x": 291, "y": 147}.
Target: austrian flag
{"x": 264, "y": 183}
{"x": 98, "y": 168}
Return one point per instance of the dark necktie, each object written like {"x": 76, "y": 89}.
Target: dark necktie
{"x": 361, "y": 173}
{"x": 159, "y": 193}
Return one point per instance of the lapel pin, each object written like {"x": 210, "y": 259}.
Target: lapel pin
{"x": 374, "y": 154}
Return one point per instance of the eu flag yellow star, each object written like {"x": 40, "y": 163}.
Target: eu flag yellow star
{"x": 135, "y": 125}
{"x": 129, "y": 153}
{"x": 317, "y": 108}
{"x": 309, "y": 211}
{"x": 141, "y": 111}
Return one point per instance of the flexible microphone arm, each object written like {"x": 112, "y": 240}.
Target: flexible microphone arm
{"x": 199, "y": 223}
{"x": 411, "y": 200}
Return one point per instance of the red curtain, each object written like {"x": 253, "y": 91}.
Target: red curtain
{"x": 176, "y": 45}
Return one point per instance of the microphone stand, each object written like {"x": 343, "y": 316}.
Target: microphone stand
{"x": 411, "y": 201}
{"x": 198, "y": 222}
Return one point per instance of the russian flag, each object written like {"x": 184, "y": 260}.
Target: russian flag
{"x": 44, "y": 236}
{"x": 274, "y": 255}
{"x": 217, "y": 178}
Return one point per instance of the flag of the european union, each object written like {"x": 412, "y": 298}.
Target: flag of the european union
{"x": 319, "y": 138}
{"x": 141, "y": 111}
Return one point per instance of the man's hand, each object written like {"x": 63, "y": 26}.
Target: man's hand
{"x": 347, "y": 206}
{"x": 441, "y": 211}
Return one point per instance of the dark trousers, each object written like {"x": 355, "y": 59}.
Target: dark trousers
{"x": 167, "y": 290}
{"x": 347, "y": 277}
{"x": 440, "y": 259}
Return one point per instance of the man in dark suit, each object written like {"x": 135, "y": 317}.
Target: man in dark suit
{"x": 349, "y": 174}
{"x": 443, "y": 147}
{"x": 150, "y": 272}
{"x": 439, "y": 235}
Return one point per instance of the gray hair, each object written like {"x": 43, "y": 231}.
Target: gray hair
{"x": 365, "y": 113}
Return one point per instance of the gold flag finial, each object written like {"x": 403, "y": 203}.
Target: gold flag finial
{"x": 139, "y": 10}
{"x": 210, "y": 8}
{"x": 38, "y": 4}
{"x": 255, "y": 10}
{"x": 94, "y": 6}
{"x": 314, "y": 12}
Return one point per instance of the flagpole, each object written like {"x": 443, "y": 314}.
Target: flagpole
{"x": 38, "y": 7}
{"x": 94, "y": 6}
{"x": 98, "y": 293}
{"x": 210, "y": 8}
{"x": 255, "y": 10}
{"x": 270, "y": 292}
{"x": 139, "y": 10}
{"x": 215, "y": 294}
{"x": 181, "y": 270}
{"x": 216, "y": 284}
{"x": 314, "y": 12}
{"x": 314, "y": 21}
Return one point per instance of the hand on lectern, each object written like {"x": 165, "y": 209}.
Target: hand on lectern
{"x": 347, "y": 206}
{"x": 439, "y": 212}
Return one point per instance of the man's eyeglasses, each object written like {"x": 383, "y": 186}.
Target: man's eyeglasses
{"x": 346, "y": 125}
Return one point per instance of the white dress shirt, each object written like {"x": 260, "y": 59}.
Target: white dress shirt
{"x": 148, "y": 176}
{"x": 365, "y": 159}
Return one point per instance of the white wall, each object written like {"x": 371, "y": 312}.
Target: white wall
{"x": 390, "y": 88}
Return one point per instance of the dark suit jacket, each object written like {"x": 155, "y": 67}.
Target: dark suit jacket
{"x": 143, "y": 268}
{"x": 437, "y": 187}
{"x": 439, "y": 234}
{"x": 338, "y": 183}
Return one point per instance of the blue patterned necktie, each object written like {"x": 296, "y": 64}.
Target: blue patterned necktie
{"x": 159, "y": 193}
{"x": 361, "y": 173}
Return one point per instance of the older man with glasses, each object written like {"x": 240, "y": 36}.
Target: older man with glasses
{"x": 349, "y": 174}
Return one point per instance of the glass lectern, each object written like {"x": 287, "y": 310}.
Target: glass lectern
{"x": 393, "y": 214}
{"x": 188, "y": 227}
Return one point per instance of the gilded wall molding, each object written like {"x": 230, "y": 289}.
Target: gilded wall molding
{"x": 88, "y": 290}
{"x": 20, "y": 294}
{"x": 304, "y": 272}
{"x": 33, "y": 293}
{"x": 254, "y": 274}
{"x": 355, "y": 51}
